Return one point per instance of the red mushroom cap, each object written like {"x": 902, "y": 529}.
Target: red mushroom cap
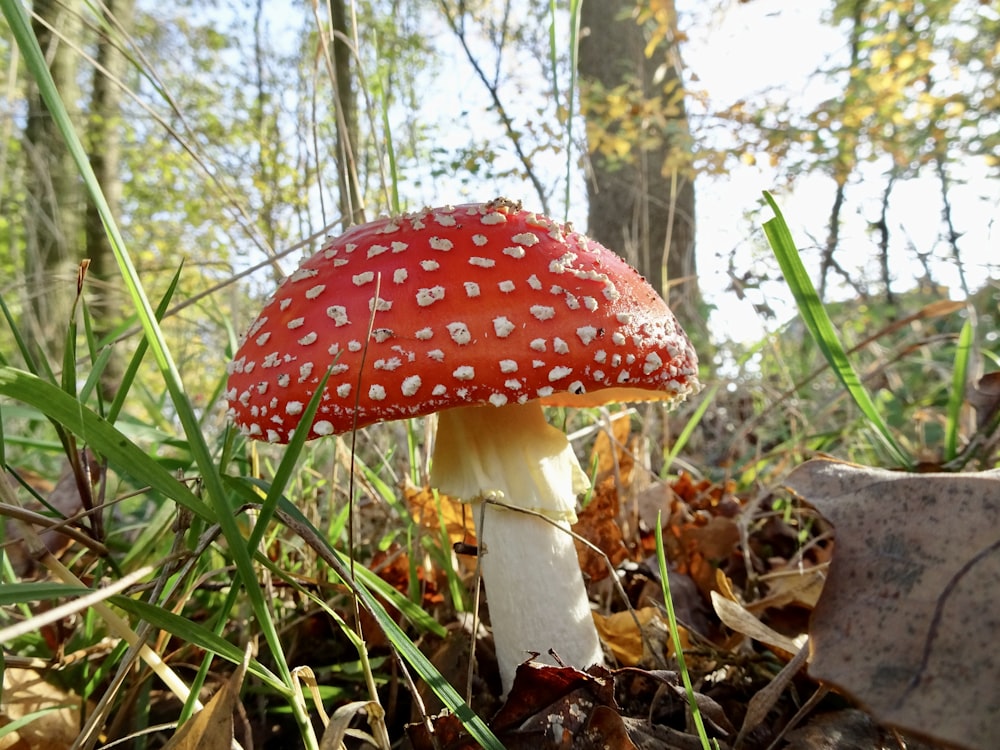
{"x": 477, "y": 304}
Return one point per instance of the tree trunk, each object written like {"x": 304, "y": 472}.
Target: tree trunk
{"x": 351, "y": 206}
{"x": 642, "y": 205}
{"x": 104, "y": 136}
{"x": 54, "y": 192}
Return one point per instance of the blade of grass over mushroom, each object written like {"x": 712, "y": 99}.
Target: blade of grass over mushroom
{"x": 821, "y": 328}
{"x": 286, "y": 468}
{"x": 34, "y": 59}
{"x": 675, "y": 636}
{"x": 956, "y": 395}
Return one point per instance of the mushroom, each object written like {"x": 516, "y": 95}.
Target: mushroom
{"x": 484, "y": 313}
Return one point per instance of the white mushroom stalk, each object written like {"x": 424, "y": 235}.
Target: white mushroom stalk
{"x": 537, "y": 598}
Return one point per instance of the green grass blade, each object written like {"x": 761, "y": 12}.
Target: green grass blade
{"x": 24, "y": 593}
{"x": 675, "y": 635}
{"x": 196, "y": 635}
{"x": 123, "y": 455}
{"x": 821, "y": 328}
{"x": 956, "y": 397}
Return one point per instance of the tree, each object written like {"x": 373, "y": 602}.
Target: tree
{"x": 640, "y": 183}
{"x": 54, "y": 194}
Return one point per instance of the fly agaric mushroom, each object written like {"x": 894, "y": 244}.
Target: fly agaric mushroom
{"x": 484, "y": 313}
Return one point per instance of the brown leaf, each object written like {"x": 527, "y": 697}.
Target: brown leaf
{"x": 430, "y": 509}
{"x": 619, "y": 633}
{"x": 57, "y": 713}
{"x": 598, "y": 525}
{"x": 908, "y": 618}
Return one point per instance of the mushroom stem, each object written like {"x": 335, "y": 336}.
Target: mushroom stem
{"x": 535, "y": 590}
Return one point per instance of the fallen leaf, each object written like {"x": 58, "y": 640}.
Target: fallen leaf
{"x": 598, "y": 525}
{"x": 56, "y": 722}
{"x": 908, "y": 619}
{"x": 620, "y": 633}
{"x": 736, "y": 617}
{"x": 430, "y": 509}
{"x": 212, "y": 727}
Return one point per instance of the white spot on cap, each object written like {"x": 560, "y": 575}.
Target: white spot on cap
{"x": 543, "y": 312}
{"x": 400, "y": 275}
{"x": 430, "y": 265}
{"x": 479, "y": 240}
{"x": 295, "y": 323}
{"x": 527, "y": 239}
{"x": 624, "y": 318}
{"x": 305, "y": 370}
{"x": 537, "y": 345}
{"x": 384, "y": 305}
{"x": 262, "y": 339}
{"x": 398, "y": 247}
{"x": 322, "y": 427}
{"x": 366, "y": 277}
{"x": 515, "y": 251}
{"x": 513, "y": 384}
{"x": 439, "y": 390}
{"x": 424, "y": 334}
{"x": 471, "y": 289}
{"x": 653, "y": 363}
{"x": 459, "y": 333}
{"x": 283, "y": 305}
{"x": 376, "y": 250}
{"x": 436, "y": 354}
{"x": 476, "y": 260}
{"x": 623, "y": 376}
{"x": 303, "y": 273}
{"x": 411, "y": 385}
{"x": 314, "y": 292}
{"x": 558, "y": 373}
{"x": 494, "y": 217}
{"x": 445, "y": 220}
{"x": 273, "y": 436}
{"x": 390, "y": 364}
{"x": 381, "y": 335}
{"x": 354, "y": 345}
{"x": 498, "y": 399}
{"x": 506, "y": 286}
{"x": 503, "y": 326}
{"x": 257, "y": 325}
{"x": 376, "y": 393}
{"x": 559, "y": 346}
{"x": 465, "y": 372}
{"x": 600, "y": 356}
{"x": 439, "y": 243}
{"x": 586, "y": 334}
{"x": 429, "y": 296}
{"x": 618, "y": 337}
{"x": 309, "y": 338}
{"x": 545, "y": 390}
{"x": 508, "y": 365}
{"x": 338, "y": 314}
{"x": 534, "y": 283}
{"x": 294, "y": 407}
{"x": 344, "y": 390}
{"x": 590, "y": 303}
